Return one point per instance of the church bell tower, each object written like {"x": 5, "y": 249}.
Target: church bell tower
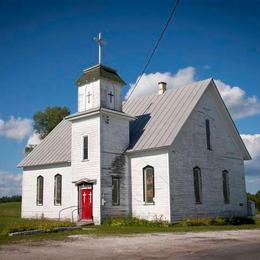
{"x": 99, "y": 86}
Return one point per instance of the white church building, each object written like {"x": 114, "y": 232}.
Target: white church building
{"x": 171, "y": 155}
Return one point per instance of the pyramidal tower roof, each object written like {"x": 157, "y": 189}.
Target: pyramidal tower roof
{"x": 97, "y": 72}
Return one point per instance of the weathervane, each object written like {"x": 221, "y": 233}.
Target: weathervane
{"x": 100, "y": 42}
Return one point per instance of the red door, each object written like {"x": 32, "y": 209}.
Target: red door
{"x": 86, "y": 203}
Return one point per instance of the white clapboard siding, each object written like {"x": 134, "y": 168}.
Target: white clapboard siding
{"x": 87, "y": 168}
{"x": 190, "y": 150}
{"x": 115, "y": 140}
{"x": 161, "y": 207}
{"x": 29, "y": 188}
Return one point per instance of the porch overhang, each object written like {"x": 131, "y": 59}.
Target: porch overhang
{"x": 85, "y": 180}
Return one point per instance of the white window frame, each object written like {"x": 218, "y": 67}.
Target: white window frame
{"x": 117, "y": 179}
{"x": 199, "y": 185}
{"x": 145, "y": 185}
{"x": 38, "y": 203}
{"x": 56, "y": 190}
{"x": 227, "y": 187}
{"x": 83, "y": 149}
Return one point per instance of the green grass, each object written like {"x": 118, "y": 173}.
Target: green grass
{"x": 10, "y": 214}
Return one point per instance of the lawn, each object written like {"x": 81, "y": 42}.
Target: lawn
{"x": 9, "y": 212}
{"x": 10, "y": 216}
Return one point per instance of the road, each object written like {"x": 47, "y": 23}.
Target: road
{"x": 205, "y": 245}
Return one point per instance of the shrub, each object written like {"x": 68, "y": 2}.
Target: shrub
{"x": 32, "y": 224}
{"x": 240, "y": 220}
{"x": 195, "y": 222}
{"x": 218, "y": 221}
{"x": 131, "y": 221}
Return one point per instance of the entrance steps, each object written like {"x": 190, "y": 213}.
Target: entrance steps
{"x": 84, "y": 223}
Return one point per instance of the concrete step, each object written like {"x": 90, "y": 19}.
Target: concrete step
{"x": 84, "y": 223}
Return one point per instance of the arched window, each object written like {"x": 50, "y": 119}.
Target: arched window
{"x": 148, "y": 184}
{"x": 197, "y": 185}
{"x": 39, "y": 195}
{"x": 57, "y": 189}
{"x": 226, "y": 192}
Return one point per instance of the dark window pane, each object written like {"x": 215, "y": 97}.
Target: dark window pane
{"x": 39, "y": 196}
{"x": 226, "y": 192}
{"x": 57, "y": 189}
{"x": 115, "y": 191}
{"x": 208, "y": 134}
{"x": 85, "y": 148}
{"x": 197, "y": 184}
{"x": 148, "y": 184}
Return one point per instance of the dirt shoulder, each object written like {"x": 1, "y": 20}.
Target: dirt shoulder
{"x": 210, "y": 245}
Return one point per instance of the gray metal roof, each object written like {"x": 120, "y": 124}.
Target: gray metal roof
{"x": 54, "y": 148}
{"x": 160, "y": 117}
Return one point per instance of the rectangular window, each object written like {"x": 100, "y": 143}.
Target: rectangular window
{"x": 39, "y": 195}
{"x": 226, "y": 192}
{"x": 115, "y": 191}
{"x": 208, "y": 134}
{"x": 148, "y": 182}
{"x": 197, "y": 185}
{"x": 85, "y": 148}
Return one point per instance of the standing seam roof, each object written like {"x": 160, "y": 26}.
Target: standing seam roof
{"x": 55, "y": 148}
{"x": 160, "y": 117}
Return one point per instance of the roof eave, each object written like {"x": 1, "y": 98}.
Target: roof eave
{"x": 246, "y": 154}
{"x": 20, "y": 165}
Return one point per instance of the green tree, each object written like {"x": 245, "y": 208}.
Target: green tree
{"x": 28, "y": 148}
{"x": 255, "y": 198}
{"x": 44, "y": 122}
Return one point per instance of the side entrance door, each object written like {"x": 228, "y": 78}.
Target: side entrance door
{"x": 86, "y": 203}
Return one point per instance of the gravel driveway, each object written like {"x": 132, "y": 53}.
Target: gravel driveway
{"x": 207, "y": 245}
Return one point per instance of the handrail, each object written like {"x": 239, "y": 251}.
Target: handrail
{"x": 65, "y": 209}
{"x": 72, "y": 213}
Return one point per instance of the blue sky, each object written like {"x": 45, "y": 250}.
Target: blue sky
{"x": 44, "y": 46}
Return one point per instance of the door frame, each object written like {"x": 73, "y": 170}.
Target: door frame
{"x": 81, "y": 187}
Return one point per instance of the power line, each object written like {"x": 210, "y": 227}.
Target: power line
{"x": 156, "y": 45}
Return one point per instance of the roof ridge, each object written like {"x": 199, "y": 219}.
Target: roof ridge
{"x": 170, "y": 90}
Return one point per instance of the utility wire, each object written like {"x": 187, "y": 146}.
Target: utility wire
{"x": 156, "y": 45}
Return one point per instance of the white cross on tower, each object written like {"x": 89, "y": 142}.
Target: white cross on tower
{"x": 100, "y": 42}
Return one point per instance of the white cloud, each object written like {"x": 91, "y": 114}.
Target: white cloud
{"x": 16, "y": 128}
{"x": 238, "y": 103}
{"x": 252, "y": 143}
{"x": 34, "y": 139}
{"x": 10, "y": 183}
{"x": 149, "y": 82}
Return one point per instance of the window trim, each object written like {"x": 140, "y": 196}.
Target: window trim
{"x": 198, "y": 200}
{"x": 83, "y": 148}
{"x": 144, "y": 185}
{"x": 226, "y": 188}
{"x": 208, "y": 134}
{"x": 116, "y": 178}
{"x": 38, "y": 203}
{"x": 55, "y": 190}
